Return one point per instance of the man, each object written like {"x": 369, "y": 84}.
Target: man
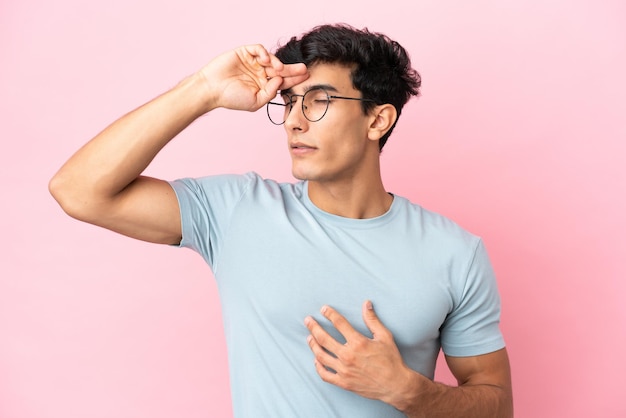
{"x": 336, "y": 240}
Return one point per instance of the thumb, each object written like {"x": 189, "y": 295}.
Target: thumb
{"x": 373, "y": 323}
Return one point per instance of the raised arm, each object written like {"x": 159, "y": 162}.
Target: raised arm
{"x": 102, "y": 183}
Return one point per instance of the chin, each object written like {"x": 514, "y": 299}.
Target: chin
{"x": 299, "y": 176}
{"x": 313, "y": 174}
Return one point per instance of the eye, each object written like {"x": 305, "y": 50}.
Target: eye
{"x": 318, "y": 97}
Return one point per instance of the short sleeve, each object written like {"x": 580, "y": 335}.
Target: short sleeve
{"x": 206, "y": 206}
{"x": 473, "y": 326}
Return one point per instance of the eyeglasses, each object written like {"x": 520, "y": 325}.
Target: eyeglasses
{"x": 315, "y": 104}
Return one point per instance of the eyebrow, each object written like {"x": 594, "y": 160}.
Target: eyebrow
{"x": 327, "y": 87}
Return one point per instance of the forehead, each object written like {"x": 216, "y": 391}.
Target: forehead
{"x": 335, "y": 76}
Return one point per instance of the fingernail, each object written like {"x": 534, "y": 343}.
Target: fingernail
{"x": 368, "y": 305}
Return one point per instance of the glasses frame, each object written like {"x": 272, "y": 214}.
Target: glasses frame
{"x": 291, "y": 104}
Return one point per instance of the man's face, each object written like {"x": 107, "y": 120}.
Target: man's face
{"x": 335, "y": 147}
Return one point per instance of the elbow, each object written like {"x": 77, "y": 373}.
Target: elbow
{"x": 68, "y": 197}
{"x": 60, "y": 191}
{"x": 505, "y": 403}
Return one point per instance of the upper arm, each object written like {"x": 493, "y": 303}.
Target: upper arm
{"x": 491, "y": 369}
{"x": 147, "y": 209}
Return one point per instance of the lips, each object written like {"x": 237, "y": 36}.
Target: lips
{"x": 300, "y": 145}
{"x": 300, "y": 149}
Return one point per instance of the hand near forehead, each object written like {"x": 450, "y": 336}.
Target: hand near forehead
{"x": 248, "y": 77}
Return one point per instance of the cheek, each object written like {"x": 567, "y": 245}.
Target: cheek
{"x": 346, "y": 129}
{"x": 346, "y": 151}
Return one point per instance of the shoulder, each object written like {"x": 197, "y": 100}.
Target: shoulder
{"x": 217, "y": 181}
{"x": 440, "y": 230}
{"x": 237, "y": 181}
{"x": 248, "y": 186}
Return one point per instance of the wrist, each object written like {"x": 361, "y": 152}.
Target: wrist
{"x": 412, "y": 386}
{"x": 197, "y": 94}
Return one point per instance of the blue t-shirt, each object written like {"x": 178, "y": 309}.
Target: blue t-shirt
{"x": 277, "y": 258}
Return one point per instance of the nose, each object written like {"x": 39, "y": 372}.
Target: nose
{"x": 295, "y": 119}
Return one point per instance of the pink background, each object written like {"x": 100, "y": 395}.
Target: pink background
{"x": 519, "y": 136}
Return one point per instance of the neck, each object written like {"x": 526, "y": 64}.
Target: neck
{"x": 351, "y": 199}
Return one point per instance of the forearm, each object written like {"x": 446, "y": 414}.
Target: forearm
{"x": 118, "y": 155}
{"x": 425, "y": 398}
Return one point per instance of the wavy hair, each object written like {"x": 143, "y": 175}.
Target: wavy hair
{"x": 381, "y": 70}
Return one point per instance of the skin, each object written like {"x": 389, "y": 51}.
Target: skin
{"x": 102, "y": 184}
{"x": 339, "y": 154}
{"x": 373, "y": 368}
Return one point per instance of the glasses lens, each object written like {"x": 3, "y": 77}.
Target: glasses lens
{"x": 315, "y": 104}
{"x": 277, "y": 110}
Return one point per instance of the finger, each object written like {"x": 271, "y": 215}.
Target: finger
{"x": 291, "y": 73}
{"x": 294, "y": 75}
{"x": 328, "y": 376}
{"x": 340, "y": 323}
{"x": 294, "y": 70}
{"x": 259, "y": 53}
{"x": 323, "y": 338}
{"x": 259, "y": 63}
{"x": 275, "y": 67}
{"x": 322, "y": 356}
{"x": 278, "y": 82}
{"x": 269, "y": 90}
{"x": 373, "y": 323}
{"x": 275, "y": 63}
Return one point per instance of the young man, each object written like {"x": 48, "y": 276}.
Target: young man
{"x": 336, "y": 240}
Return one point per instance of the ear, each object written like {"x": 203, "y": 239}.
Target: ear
{"x": 384, "y": 116}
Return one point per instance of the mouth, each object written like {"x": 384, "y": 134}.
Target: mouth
{"x": 301, "y": 148}
{"x": 300, "y": 145}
